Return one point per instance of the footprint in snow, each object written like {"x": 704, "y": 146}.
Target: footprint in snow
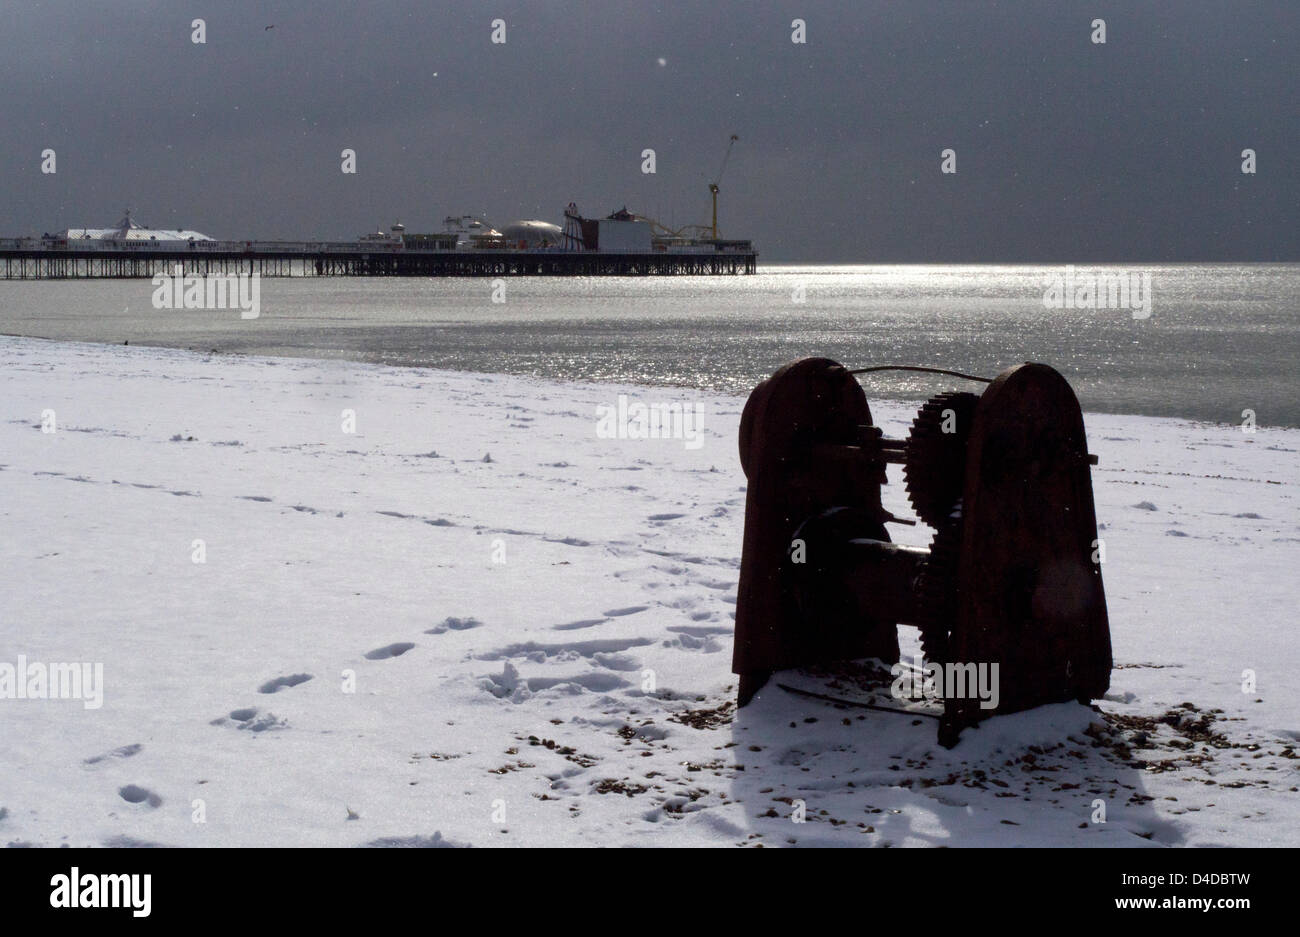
{"x": 249, "y": 718}
{"x": 510, "y": 685}
{"x": 122, "y": 841}
{"x": 389, "y": 650}
{"x": 704, "y": 643}
{"x": 539, "y": 652}
{"x": 125, "y": 751}
{"x": 454, "y": 624}
{"x": 415, "y": 842}
{"x": 620, "y": 662}
{"x": 279, "y": 683}
{"x": 579, "y": 625}
{"x": 630, "y": 610}
{"x": 135, "y": 794}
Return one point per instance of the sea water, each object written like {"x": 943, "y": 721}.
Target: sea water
{"x": 1216, "y": 339}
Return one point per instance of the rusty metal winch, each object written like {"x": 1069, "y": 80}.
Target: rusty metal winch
{"x": 1010, "y": 577}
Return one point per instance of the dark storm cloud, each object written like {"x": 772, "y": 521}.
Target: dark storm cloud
{"x": 1066, "y": 150}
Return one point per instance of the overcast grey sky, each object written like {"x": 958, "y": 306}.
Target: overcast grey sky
{"x": 1067, "y": 151}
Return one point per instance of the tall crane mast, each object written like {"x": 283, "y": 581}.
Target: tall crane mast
{"x": 713, "y": 186}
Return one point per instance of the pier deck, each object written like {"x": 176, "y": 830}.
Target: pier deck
{"x": 27, "y": 259}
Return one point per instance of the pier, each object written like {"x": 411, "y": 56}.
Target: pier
{"x": 49, "y": 259}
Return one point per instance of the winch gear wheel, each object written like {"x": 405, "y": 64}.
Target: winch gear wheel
{"x": 935, "y": 461}
{"x": 936, "y": 590}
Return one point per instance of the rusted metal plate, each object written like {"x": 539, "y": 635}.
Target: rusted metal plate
{"x": 1030, "y": 597}
{"x": 798, "y": 446}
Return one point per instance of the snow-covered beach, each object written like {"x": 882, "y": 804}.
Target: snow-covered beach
{"x": 474, "y": 621}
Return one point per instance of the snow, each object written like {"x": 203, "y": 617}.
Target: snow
{"x": 578, "y": 693}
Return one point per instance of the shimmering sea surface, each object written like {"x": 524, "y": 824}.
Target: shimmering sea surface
{"x": 1220, "y": 339}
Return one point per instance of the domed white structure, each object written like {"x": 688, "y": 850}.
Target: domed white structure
{"x": 532, "y": 234}
{"x": 128, "y": 230}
